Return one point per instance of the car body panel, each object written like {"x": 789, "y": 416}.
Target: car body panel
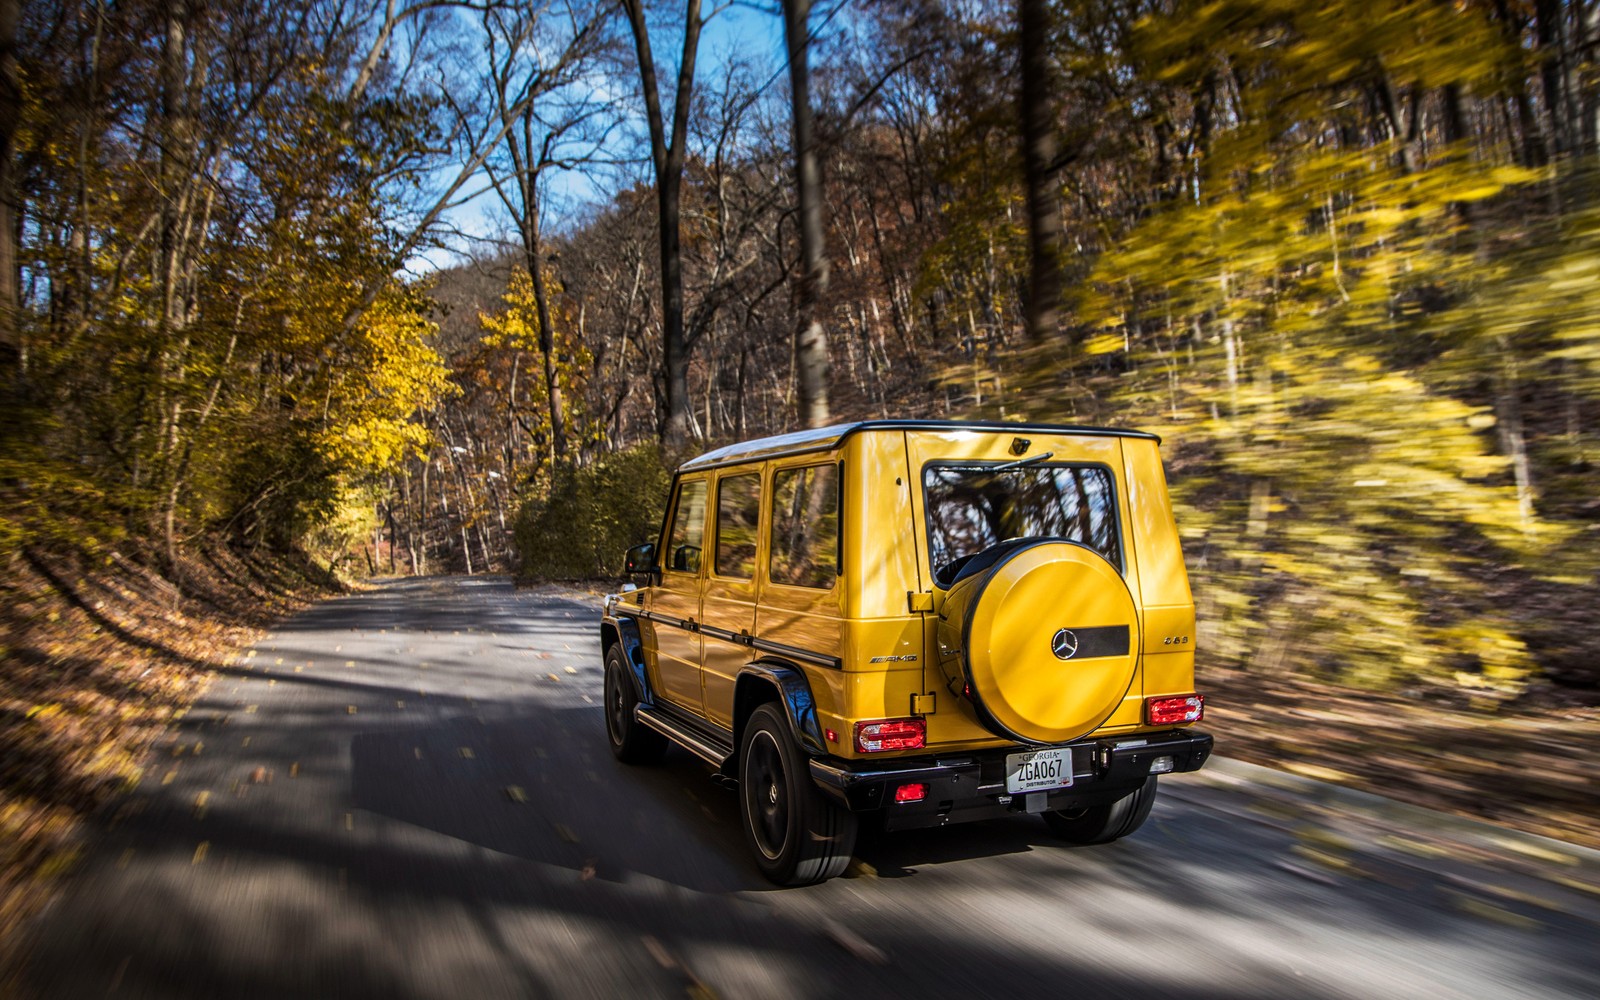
{"x": 866, "y": 648}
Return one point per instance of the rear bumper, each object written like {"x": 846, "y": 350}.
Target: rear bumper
{"x": 972, "y": 785}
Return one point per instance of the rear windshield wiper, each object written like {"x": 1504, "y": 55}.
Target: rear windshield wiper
{"x": 1019, "y": 463}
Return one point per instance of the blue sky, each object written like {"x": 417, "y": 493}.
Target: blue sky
{"x": 733, "y": 30}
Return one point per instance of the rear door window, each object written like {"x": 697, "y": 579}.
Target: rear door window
{"x": 972, "y": 507}
{"x": 738, "y": 514}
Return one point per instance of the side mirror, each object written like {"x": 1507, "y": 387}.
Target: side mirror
{"x": 641, "y": 559}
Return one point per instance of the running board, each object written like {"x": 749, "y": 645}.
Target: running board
{"x": 702, "y": 745}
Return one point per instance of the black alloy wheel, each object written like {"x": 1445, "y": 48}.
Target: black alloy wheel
{"x": 797, "y": 835}
{"x": 632, "y": 742}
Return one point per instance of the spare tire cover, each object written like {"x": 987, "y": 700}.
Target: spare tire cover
{"x": 1045, "y": 641}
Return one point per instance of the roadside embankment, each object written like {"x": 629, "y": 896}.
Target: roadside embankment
{"x": 97, "y": 656}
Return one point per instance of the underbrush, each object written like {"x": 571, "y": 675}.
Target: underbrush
{"x": 591, "y": 516}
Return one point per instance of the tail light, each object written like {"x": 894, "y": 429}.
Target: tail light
{"x": 891, "y": 734}
{"x": 1173, "y": 711}
{"x": 914, "y": 792}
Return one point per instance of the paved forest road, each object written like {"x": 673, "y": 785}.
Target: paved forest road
{"x": 407, "y": 793}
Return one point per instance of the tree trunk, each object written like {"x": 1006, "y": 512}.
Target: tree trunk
{"x": 10, "y": 121}
{"x": 667, "y": 155}
{"x": 811, "y": 339}
{"x": 1552, "y": 57}
{"x": 533, "y": 251}
{"x": 1036, "y": 111}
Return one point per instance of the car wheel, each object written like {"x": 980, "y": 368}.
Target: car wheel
{"x": 632, "y": 742}
{"x": 1104, "y": 823}
{"x": 797, "y": 834}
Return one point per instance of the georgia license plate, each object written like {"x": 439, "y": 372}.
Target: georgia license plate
{"x": 1036, "y": 770}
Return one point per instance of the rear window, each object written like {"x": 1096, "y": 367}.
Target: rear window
{"x": 805, "y": 527}
{"x": 972, "y": 507}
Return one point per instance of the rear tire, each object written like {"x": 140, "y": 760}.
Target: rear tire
{"x": 1104, "y": 823}
{"x": 797, "y": 835}
{"x": 632, "y": 742}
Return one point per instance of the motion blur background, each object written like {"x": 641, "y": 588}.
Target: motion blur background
{"x": 377, "y": 288}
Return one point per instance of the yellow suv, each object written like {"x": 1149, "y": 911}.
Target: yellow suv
{"x": 920, "y": 622}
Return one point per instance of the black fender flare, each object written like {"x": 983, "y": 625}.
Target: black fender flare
{"x": 794, "y": 694}
{"x": 626, "y": 632}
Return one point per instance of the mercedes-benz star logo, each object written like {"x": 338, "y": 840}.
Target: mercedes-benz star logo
{"x": 1064, "y": 644}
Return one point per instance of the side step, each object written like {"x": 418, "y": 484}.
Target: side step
{"x": 701, "y": 744}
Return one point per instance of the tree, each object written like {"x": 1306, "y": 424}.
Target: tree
{"x": 540, "y": 141}
{"x": 667, "y": 157}
{"x": 10, "y": 118}
{"x": 1036, "y": 112}
{"x": 811, "y": 338}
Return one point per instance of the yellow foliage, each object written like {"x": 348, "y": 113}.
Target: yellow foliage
{"x": 394, "y": 373}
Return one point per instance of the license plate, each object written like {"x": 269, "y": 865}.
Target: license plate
{"x": 1036, "y": 770}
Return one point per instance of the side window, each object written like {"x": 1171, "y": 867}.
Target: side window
{"x": 805, "y": 526}
{"x": 738, "y": 511}
{"x": 688, "y": 529}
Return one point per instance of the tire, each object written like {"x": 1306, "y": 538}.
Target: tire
{"x": 632, "y": 742}
{"x": 797, "y": 835}
{"x": 1107, "y": 822}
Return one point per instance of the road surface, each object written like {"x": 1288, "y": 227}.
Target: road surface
{"x": 407, "y": 793}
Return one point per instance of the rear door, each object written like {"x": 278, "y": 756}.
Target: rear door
{"x": 729, "y": 608}
{"x": 976, "y": 489}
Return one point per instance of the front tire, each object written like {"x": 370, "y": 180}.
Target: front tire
{"x": 797, "y": 835}
{"x": 632, "y": 742}
{"x": 1104, "y": 823}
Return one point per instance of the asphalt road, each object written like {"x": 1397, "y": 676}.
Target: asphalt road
{"x": 407, "y": 793}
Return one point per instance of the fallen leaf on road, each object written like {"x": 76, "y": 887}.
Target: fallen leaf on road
{"x": 294, "y": 770}
{"x": 516, "y": 794}
{"x": 1478, "y": 908}
{"x": 1536, "y": 851}
{"x": 466, "y": 752}
{"x": 200, "y": 852}
{"x": 587, "y": 871}
{"x": 860, "y": 869}
{"x": 659, "y": 952}
{"x": 565, "y": 833}
{"x": 1306, "y": 873}
{"x": 854, "y": 943}
{"x": 261, "y": 776}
